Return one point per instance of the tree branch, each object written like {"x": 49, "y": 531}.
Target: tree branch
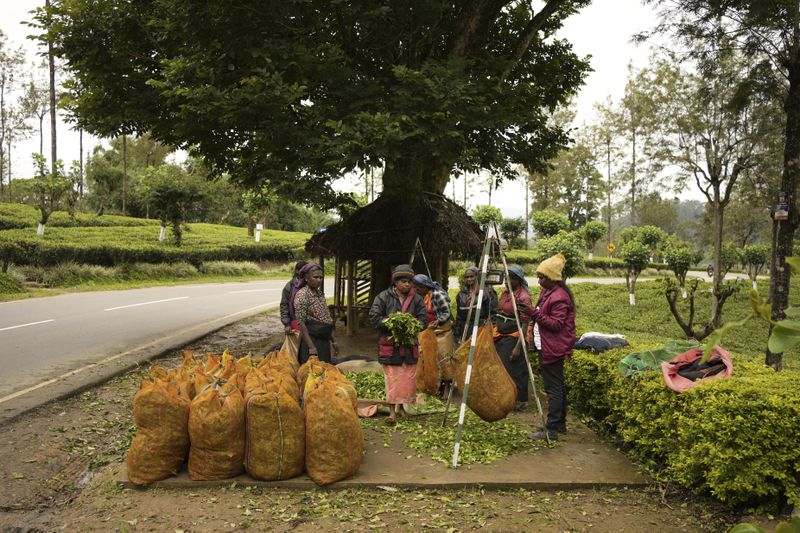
{"x": 525, "y": 39}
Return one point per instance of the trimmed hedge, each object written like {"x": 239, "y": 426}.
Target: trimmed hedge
{"x": 118, "y": 245}
{"x": 18, "y": 216}
{"x": 735, "y": 438}
{"x": 528, "y": 257}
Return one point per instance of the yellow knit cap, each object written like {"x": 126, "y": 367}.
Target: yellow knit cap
{"x": 552, "y": 267}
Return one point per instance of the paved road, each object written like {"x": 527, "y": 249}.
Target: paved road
{"x": 46, "y": 342}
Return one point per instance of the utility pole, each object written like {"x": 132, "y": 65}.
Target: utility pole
{"x": 527, "y": 207}
{"x": 608, "y": 189}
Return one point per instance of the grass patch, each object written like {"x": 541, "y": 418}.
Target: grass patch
{"x": 16, "y": 216}
{"x": 9, "y": 284}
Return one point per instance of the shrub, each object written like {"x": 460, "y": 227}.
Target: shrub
{"x": 548, "y": 223}
{"x": 146, "y": 271}
{"x": 486, "y": 214}
{"x": 592, "y": 232}
{"x": 9, "y": 285}
{"x": 69, "y": 274}
{"x": 735, "y": 438}
{"x": 568, "y": 243}
{"x": 230, "y": 268}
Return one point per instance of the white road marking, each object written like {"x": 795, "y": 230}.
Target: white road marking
{"x": 146, "y": 303}
{"x": 123, "y": 354}
{"x": 28, "y": 324}
{"x": 253, "y": 290}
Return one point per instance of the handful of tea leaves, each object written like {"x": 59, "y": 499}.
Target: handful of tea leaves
{"x": 404, "y": 328}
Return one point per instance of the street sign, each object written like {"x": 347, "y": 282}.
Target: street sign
{"x": 611, "y": 247}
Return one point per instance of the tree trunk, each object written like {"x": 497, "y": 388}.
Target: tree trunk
{"x": 780, "y": 272}
{"x": 251, "y": 226}
{"x": 633, "y": 182}
{"x": 717, "y": 279}
{"x": 52, "y": 66}
{"x": 80, "y": 162}
{"x": 124, "y": 174}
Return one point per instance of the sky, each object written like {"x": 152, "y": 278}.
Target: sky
{"x": 602, "y": 30}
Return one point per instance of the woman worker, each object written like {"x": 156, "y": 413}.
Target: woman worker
{"x": 467, "y": 298}
{"x": 437, "y": 301}
{"x": 553, "y": 334}
{"x": 399, "y": 363}
{"x": 314, "y": 317}
{"x": 507, "y": 339}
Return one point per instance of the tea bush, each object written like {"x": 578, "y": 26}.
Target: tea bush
{"x": 735, "y": 438}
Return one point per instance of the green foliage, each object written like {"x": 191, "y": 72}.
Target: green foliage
{"x": 593, "y": 231}
{"x": 369, "y": 385}
{"x": 115, "y": 245}
{"x": 568, "y": 243}
{"x": 755, "y": 257}
{"x": 548, "y": 223}
{"x": 731, "y": 256}
{"x": 680, "y": 257}
{"x": 17, "y": 216}
{"x": 9, "y": 285}
{"x": 230, "y": 268}
{"x": 511, "y": 230}
{"x": 486, "y": 214}
{"x": 48, "y": 187}
{"x": 172, "y": 193}
{"x": 636, "y": 256}
{"x": 308, "y": 102}
{"x": 404, "y": 328}
{"x": 698, "y": 438}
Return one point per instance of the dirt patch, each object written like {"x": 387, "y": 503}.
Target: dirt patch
{"x": 58, "y": 468}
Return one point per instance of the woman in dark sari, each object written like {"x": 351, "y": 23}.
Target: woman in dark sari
{"x": 507, "y": 340}
{"x": 314, "y": 317}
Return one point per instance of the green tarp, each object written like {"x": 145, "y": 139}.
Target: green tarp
{"x": 637, "y": 362}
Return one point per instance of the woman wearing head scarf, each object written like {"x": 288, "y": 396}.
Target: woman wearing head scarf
{"x": 399, "y": 363}
{"x": 287, "y": 299}
{"x": 553, "y": 334}
{"x": 437, "y": 301}
{"x": 314, "y": 317}
{"x": 467, "y": 298}
{"x": 507, "y": 340}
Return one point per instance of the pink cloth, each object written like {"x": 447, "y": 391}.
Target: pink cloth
{"x": 679, "y": 383}
{"x": 401, "y": 383}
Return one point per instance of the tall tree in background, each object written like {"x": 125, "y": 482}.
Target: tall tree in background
{"x": 303, "y": 92}
{"x": 51, "y": 64}
{"x": 770, "y": 30}
{"x": 714, "y": 135}
{"x": 10, "y": 61}
{"x": 36, "y": 102}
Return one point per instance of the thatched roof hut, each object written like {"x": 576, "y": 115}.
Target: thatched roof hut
{"x": 371, "y": 241}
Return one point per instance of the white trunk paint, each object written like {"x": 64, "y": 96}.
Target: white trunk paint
{"x": 40, "y": 229}
{"x": 632, "y": 298}
{"x": 683, "y": 292}
{"x": 162, "y": 234}
{"x": 755, "y": 285}
{"x": 591, "y": 256}
{"x": 258, "y": 235}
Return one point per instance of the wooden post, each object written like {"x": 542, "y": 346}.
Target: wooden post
{"x": 337, "y": 284}
{"x": 351, "y": 298}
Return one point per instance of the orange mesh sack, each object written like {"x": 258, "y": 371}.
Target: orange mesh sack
{"x": 305, "y": 368}
{"x": 492, "y": 393}
{"x": 162, "y": 435}
{"x": 258, "y": 377}
{"x": 291, "y": 345}
{"x": 276, "y": 435}
{"x": 217, "y": 433}
{"x": 427, "y": 371}
{"x": 334, "y": 440}
{"x": 445, "y": 342}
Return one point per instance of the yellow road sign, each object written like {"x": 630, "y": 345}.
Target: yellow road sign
{"x": 611, "y": 247}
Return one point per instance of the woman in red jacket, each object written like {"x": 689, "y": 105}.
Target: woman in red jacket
{"x": 553, "y": 334}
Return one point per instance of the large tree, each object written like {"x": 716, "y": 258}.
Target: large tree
{"x": 301, "y": 92}
{"x": 769, "y": 31}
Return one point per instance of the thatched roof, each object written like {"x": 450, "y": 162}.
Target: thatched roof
{"x": 388, "y": 229}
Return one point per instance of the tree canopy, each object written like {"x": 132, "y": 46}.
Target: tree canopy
{"x": 301, "y": 92}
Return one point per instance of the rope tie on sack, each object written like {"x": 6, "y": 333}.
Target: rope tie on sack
{"x": 280, "y": 433}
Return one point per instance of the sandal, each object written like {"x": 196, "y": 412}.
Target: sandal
{"x": 390, "y": 421}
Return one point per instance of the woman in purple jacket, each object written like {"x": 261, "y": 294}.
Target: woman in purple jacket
{"x": 553, "y": 335}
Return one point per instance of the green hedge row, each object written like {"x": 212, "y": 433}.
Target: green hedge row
{"x": 735, "y": 438}
{"x": 18, "y": 216}
{"x": 118, "y": 245}
{"x": 527, "y": 257}
{"x": 9, "y": 285}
